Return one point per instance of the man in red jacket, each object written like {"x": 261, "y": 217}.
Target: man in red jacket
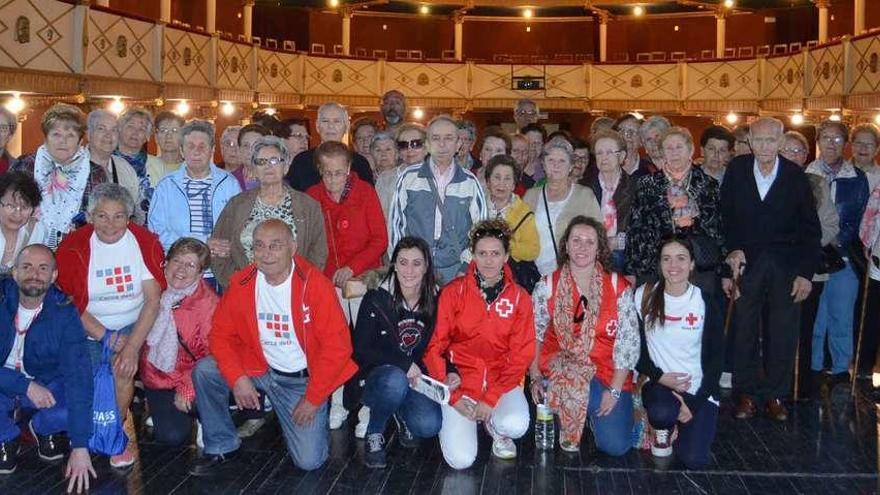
{"x": 278, "y": 328}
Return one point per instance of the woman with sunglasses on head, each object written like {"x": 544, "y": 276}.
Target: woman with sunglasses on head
{"x": 481, "y": 347}
{"x": 394, "y": 326}
{"x": 587, "y": 328}
{"x": 682, "y": 355}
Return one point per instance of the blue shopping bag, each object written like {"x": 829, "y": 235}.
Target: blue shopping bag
{"x": 108, "y": 436}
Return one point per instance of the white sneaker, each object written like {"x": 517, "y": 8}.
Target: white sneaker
{"x": 338, "y": 415}
{"x": 662, "y": 446}
{"x": 250, "y": 427}
{"x": 502, "y": 447}
{"x": 726, "y": 380}
{"x": 148, "y": 422}
{"x": 200, "y": 440}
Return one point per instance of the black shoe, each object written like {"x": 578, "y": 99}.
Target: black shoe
{"x": 374, "y": 456}
{"x": 404, "y": 436}
{"x": 208, "y": 465}
{"x": 818, "y": 380}
{"x": 8, "y": 456}
{"x": 49, "y": 447}
{"x": 840, "y": 378}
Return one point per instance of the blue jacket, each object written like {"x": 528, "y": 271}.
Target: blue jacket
{"x": 169, "y": 215}
{"x": 54, "y": 349}
{"x": 849, "y": 191}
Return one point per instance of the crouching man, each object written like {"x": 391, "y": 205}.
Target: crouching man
{"x": 278, "y": 328}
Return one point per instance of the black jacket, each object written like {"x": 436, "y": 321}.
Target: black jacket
{"x": 711, "y": 352}
{"x": 784, "y": 225}
{"x": 303, "y": 172}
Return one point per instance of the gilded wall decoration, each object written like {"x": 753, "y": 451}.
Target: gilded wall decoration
{"x": 128, "y": 55}
{"x": 427, "y": 80}
{"x": 186, "y": 57}
{"x": 37, "y": 35}
{"x": 722, "y": 80}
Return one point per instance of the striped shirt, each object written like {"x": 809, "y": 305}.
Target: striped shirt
{"x": 198, "y": 195}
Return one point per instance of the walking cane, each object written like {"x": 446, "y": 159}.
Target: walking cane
{"x": 862, "y": 312}
{"x": 729, "y": 317}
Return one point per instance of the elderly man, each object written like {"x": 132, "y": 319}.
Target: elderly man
{"x": 46, "y": 367}
{"x": 229, "y": 152}
{"x": 393, "y": 110}
{"x": 716, "y": 145}
{"x": 439, "y": 201}
{"x": 772, "y": 235}
{"x": 333, "y": 122}
{"x": 279, "y": 328}
{"x": 525, "y": 112}
{"x": 188, "y": 202}
{"x": 103, "y": 138}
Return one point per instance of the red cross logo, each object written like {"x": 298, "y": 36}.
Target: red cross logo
{"x": 504, "y": 307}
{"x": 611, "y": 328}
{"x": 691, "y": 319}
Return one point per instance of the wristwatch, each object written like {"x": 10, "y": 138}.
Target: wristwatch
{"x": 614, "y": 393}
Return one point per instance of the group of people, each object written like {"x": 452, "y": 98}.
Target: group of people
{"x": 331, "y": 279}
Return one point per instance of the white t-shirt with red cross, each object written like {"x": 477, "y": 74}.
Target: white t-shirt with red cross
{"x": 676, "y": 346}
{"x": 23, "y": 319}
{"x": 116, "y": 275}
{"x": 275, "y": 322}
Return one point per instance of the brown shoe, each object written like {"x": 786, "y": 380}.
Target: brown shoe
{"x": 745, "y": 408}
{"x": 775, "y": 410}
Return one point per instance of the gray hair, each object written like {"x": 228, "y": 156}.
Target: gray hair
{"x": 227, "y": 133}
{"x": 333, "y": 105}
{"x": 558, "y": 143}
{"x": 271, "y": 142}
{"x": 136, "y": 112}
{"x": 379, "y": 137}
{"x": 109, "y": 191}
{"x": 198, "y": 126}
{"x": 800, "y": 138}
{"x": 440, "y": 118}
{"x": 10, "y": 118}
{"x": 96, "y": 115}
{"x": 467, "y": 125}
{"x": 658, "y": 122}
{"x": 768, "y": 121}
{"x": 526, "y": 101}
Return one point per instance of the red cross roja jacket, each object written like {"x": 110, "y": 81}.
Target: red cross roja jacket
{"x": 491, "y": 345}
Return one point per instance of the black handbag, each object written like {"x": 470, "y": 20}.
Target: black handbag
{"x": 855, "y": 252}
{"x": 831, "y": 260}
{"x": 525, "y": 273}
{"x": 707, "y": 253}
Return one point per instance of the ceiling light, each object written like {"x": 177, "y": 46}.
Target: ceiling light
{"x": 333, "y": 3}
{"x": 728, "y": 4}
{"x": 528, "y": 29}
{"x": 228, "y": 108}
{"x": 638, "y": 11}
{"x": 797, "y": 119}
{"x": 418, "y": 114}
{"x": 676, "y": 28}
{"x": 731, "y": 118}
{"x": 116, "y": 106}
{"x": 528, "y": 13}
{"x": 834, "y": 117}
{"x": 15, "y": 104}
{"x": 424, "y": 10}
{"x": 182, "y": 108}
{"x": 876, "y": 118}
{"x": 270, "y": 111}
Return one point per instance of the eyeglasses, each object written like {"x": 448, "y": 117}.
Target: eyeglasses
{"x": 792, "y": 151}
{"x": 413, "y": 144}
{"x": 299, "y": 135}
{"x": 13, "y": 208}
{"x": 188, "y": 266}
{"x": 273, "y": 247}
{"x": 628, "y": 132}
{"x": 231, "y": 143}
{"x": 864, "y": 144}
{"x": 603, "y": 154}
{"x": 530, "y": 113}
{"x": 167, "y": 130}
{"x": 832, "y": 140}
{"x": 268, "y": 162}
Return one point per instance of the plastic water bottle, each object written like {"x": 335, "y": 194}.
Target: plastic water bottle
{"x": 545, "y": 428}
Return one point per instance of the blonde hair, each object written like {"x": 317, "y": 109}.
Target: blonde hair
{"x": 62, "y": 112}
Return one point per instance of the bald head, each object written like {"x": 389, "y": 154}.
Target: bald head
{"x": 765, "y": 139}
{"x": 34, "y": 272}
{"x": 273, "y": 248}
{"x": 35, "y": 250}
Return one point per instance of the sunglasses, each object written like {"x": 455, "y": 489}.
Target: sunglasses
{"x": 413, "y": 144}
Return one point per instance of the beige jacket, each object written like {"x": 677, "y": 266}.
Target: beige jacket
{"x": 582, "y": 202}
{"x": 311, "y": 240}
{"x": 828, "y": 218}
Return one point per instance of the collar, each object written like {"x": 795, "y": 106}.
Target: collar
{"x": 759, "y": 175}
{"x": 818, "y": 167}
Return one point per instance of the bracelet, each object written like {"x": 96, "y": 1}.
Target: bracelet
{"x": 615, "y": 394}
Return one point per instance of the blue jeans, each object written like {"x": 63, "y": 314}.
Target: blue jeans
{"x": 308, "y": 445}
{"x": 387, "y": 392}
{"x": 834, "y": 320}
{"x": 613, "y": 432}
{"x": 96, "y": 347}
{"x": 46, "y": 421}
{"x": 695, "y": 437}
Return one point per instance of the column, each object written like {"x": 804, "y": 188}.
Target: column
{"x": 211, "y": 16}
{"x": 458, "y": 18}
{"x": 247, "y": 20}
{"x": 345, "y": 12}
{"x": 720, "y": 33}
{"x": 165, "y": 12}
{"x": 823, "y": 5}
{"x": 603, "y": 36}
{"x": 859, "y": 16}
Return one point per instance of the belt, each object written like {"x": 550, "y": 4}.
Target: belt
{"x": 303, "y": 373}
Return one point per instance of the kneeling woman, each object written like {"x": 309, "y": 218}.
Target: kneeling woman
{"x": 481, "y": 347}
{"x": 394, "y": 325}
{"x": 587, "y": 323}
{"x": 682, "y": 355}
{"x": 178, "y": 339}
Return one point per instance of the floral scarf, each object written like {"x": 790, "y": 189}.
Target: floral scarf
{"x": 63, "y": 188}
{"x": 571, "y": 370}
{"x": 162, "y": 339}
{"x": 683, "y": 205}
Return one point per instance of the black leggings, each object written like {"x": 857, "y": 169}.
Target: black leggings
{"x": 695, "y": 437}
{"x": 170, "y": 426}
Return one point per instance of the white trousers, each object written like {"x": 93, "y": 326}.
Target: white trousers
{"x": 458, "y": 435}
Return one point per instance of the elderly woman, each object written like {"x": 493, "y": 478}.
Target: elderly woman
{"x": 587, "y": 328}
{"x": 134, "y": 128}
{"x": 356, "y": 233}
{"x": 482, "y": 345}
{"x": 679, "y": 198}
{"x": 614, "y": 190}
{"x": 412, "y": 144}
{"x": 247, "y": 136}
{"x": 103, "y": 137}
{"x": 557, "y": 202}
{"x": 849, "y": 193}
{"x": 19, "y": 197}
{"x": 652, "y": 128}
{"x": 231, "y": 157}
{"x": 272, "y": 198}
{"x": 362, "y": 132}
{"x": 298, "y": 139}
{"x": 495, "y": 142}
{"x": 177, "y": 340}
{"x": 188, "y": 202}
{"x": 865, "y": 140}
{"x": 8, "y": 126}
{"x": 64, "y": 172}
{"x": 168, "y": 139}
{"x": 383, "y": 151}
{"x": 532, "y": 172}
{"x": 500, "y": 176}
{"x": 112, "y": 269}
{"x": 628, "y": 126}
